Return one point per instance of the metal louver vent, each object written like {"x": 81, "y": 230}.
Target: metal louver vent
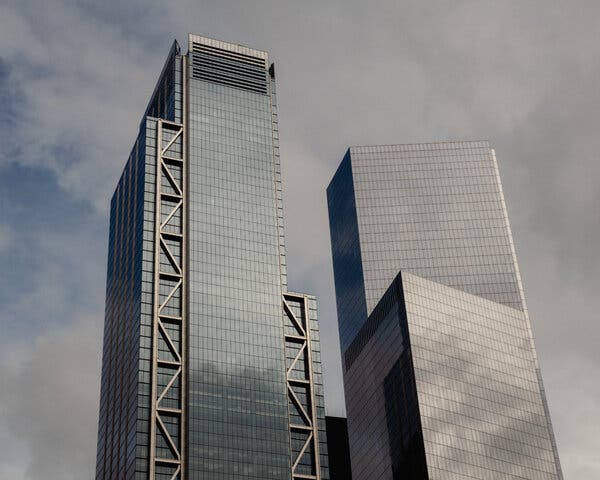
{"x": 229, "y": 68}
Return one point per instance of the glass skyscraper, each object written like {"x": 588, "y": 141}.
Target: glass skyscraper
{"x": 211, "y": 367}
{"x": 440, "y": 370}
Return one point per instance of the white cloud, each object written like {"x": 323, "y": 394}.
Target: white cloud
{"x": 82, "y": 95}
{"x": 573, "y": 379}
{"x": 49, "y": 400}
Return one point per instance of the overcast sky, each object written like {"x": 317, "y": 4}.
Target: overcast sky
{"x": 74, "y": 81}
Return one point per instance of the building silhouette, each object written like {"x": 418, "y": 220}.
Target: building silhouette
{"x": 441, "y": 376}
{"x": 211, "y": 367}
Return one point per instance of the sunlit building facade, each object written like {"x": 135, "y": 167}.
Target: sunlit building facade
{"x": 440, "y": 371}
{"x": 211, "y": 367}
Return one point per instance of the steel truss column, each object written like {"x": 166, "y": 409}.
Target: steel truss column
{"x": 303, "y": 425}
{"x": 167, "y": 423}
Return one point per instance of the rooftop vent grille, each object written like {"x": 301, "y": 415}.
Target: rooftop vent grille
{"x": 229, "y": 68}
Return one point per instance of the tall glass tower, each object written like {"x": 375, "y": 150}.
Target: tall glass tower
{"x": 211, "y": 367}
{"x": 440, "y": 370}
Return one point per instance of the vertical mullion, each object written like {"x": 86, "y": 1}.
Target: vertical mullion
{"x": 184, "y": 284}
{"x": 315, "y": 426}
{"x": 154, "y": 379}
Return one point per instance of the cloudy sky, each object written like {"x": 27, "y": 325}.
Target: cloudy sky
{"x": 74, "y": 81}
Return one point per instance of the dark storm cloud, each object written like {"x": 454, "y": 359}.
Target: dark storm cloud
{"x": 74, "y": 78}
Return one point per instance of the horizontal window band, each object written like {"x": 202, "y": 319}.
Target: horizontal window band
{"x": 258, "y": 64}
{"x": 241, "y": 87}
{"x": 228, "y": 63}
{"x": 234, "y": 78}
{"x": 257, "y": 74}
{"x": 227, "y": 70}
{"x": 203, "y": 75}
{"x": 230, "y": 80}
{"x": 197, "y": 47}
{"x": 230, "y": 74}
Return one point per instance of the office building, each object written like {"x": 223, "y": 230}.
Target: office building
{"x": 211, "y": 367}
{"x": 440, "y": 370}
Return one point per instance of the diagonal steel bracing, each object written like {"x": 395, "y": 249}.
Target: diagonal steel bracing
{"x": 300, "y": 387}
{"x": 167, "y": 426}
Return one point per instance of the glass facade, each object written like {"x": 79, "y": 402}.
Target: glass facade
{"x": 481, "y": 404}
{"x": 445, "y": 384}
{"x": 346, "y": 249}
{"x": 436, "y": 210}
{"x": 238, "y": 408}
{"x": 201, "y": 378}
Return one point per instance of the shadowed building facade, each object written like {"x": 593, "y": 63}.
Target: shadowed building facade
{"x": 211, "y": 367}
{"x": 440, "y": 370}
{"x": 338, "y": 448}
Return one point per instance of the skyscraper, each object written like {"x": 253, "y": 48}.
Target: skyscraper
{"x": 440, "y": 370}
{"x": 211, "y": 367}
